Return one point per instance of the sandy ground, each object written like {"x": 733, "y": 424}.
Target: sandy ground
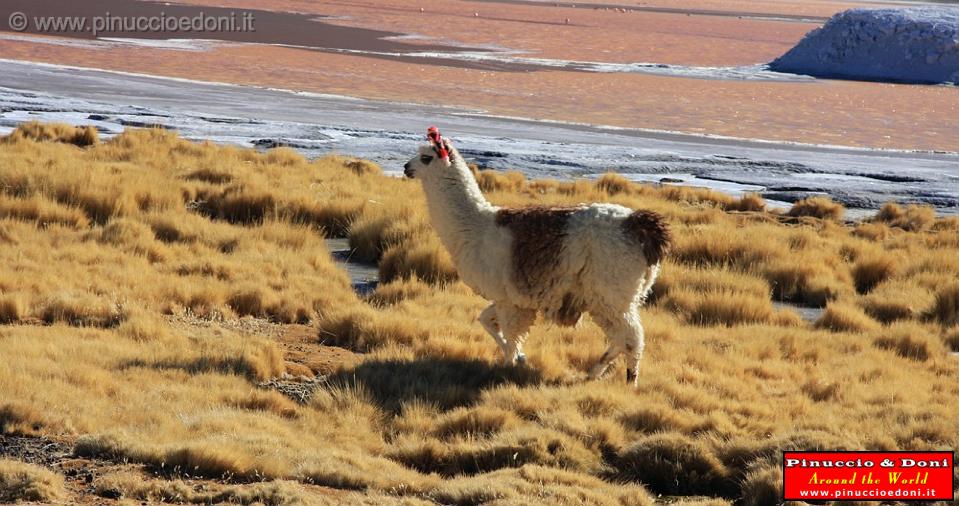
{"x": 829, "y": 112}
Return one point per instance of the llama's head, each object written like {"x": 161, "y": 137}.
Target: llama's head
{"x": 434, "y": 156}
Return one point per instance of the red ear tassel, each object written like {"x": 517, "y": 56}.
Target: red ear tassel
{"x": 433, "y": 134}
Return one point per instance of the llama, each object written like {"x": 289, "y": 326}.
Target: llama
{"x": 559, "y": 261}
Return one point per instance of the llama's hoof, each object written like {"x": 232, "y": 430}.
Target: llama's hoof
{"x": 521, "y": 358}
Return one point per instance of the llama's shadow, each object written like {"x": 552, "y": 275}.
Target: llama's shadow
{"x": 443, "y": 382}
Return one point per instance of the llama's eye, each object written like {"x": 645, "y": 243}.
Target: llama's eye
{"x": 426, "y": 159}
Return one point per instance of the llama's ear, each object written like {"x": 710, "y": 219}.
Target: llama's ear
{"x": 446, "y": 154}
{"x": 438, "y": 143}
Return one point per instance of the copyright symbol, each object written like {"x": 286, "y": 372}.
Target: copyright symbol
{"x": 18, "y": 21}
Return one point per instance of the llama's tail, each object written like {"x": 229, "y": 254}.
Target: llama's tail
{"x": 649, "y": 231}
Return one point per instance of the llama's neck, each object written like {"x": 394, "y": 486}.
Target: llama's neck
{"x": 458, "y": 209}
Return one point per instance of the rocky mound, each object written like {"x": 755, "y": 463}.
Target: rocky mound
{"x": 917, "y": 45}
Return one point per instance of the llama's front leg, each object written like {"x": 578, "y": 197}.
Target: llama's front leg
{"x": 515, "y": 323}
{"x": 490, "y": 321}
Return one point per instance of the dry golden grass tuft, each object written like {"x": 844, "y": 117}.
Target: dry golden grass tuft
{"x": 869, "y": 271}
{"x": 945, "y": 309}
{"x": 363, "y": 167}
{"x": 492, "y": 181}
{"x": 911, "y": 341}
{"x": 845, "y": 317}
{"x": 952, "y": 339}
{"x": 763, "y": 486}
{"x": 12, "y": 308}
{"x": 27, "y": 482}
{"x": 613, "y": 184}
{"x": 817, "y": 207}
{"x": 128, "y": 485}
{"x": 719, "y": 307}
{"x": 913, "y": 218}
{"x": 897, "y": 299}
{"x": 146, "y": 278}
{"x": 749, "y": 202}
{"x": 658, "y": 459}
{"x": 428, "y": 261}
{"x": 391, "y": 293}
{"x": 871, "y": 231}
{"x": 547, "y": 485}
{"x": 43, "y": 211}
{"x": 81, "y": 310}
{"x": 18, "y": 418}
{"x": 55, "y": 132}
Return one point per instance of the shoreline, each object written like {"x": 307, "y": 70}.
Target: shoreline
{"x": 386, "y": 132}
{"x": 478, "y": 113}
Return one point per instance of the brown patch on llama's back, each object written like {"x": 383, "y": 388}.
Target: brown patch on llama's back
{"x": 538, "y": 234}
{"x": 649, "y": 230}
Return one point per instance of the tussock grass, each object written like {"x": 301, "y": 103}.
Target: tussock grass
{"x": 613, "y": 184}
{"x": 129, "y": 485}
{"x": 514, "y": 448}
{"x": 868, "y": 272}
{"x": 140, "y": 325}
{"x": 256, "y": 362}
{"x": 397, "y": 291}
{"x": 897, "y": 300}
{"x": 550, "y": 485}
{"x": 913, "y": 218}
{"x": 657, "y": 459}
{"x": 27, "y": 482}
{"x": 805, "y": 282}
{"x": 350, "y": 471}
{"x": 720, "y": 307}
{"x": 911, "y": 341}
{"x": 845, "y": 317}
{"x": 18, "y": 418}
{"x": 491, "y": 181}
{"x": 54, "y": 132}
{"x": 426, "y": 261}
{"x": 81, "y": 310}
{"x": 697, "y": 196}
{"x": 871, "y": 231}
{"x": 817, "y": 207}
{"x": 147, "y": 276}
{"x": 952, "y": 339}
{"x": 42, "y": 211}
{"x": 12, "y": 309}
{"x": 749, "y": 202}
{"x": 763, "y": 486}
{"x": 466, "y": 422}
{"x": 697, "y": 279}
{"x": 735, "y": 248}
{"x": 945, "y": 309}
{"x": 364, "y": 330}
{"x": 362, "y": 167}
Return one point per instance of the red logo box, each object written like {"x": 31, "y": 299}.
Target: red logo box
{"x": 868, "y": 476}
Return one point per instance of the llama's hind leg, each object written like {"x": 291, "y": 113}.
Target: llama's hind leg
{"x": 489, "y": 319}
{"x": 515, "y": 323}
{"x": 604, "y": 362}
{"x": 625, "y": 334}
